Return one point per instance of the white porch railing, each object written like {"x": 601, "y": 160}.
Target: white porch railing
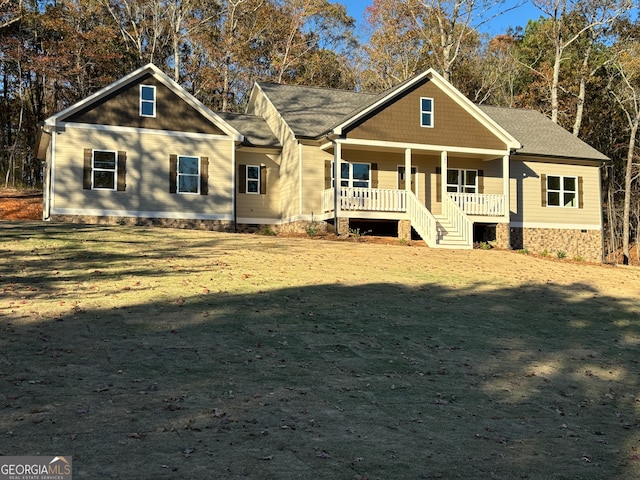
{"x": 328, "y": 200}
{"x": 366, "y": 199}
{"x": 480, "y": 204}
{"x": 458, "y": 219}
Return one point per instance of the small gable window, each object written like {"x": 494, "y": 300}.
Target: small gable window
{"x": 147, "y": 101}
{"x": 426, "y": 112}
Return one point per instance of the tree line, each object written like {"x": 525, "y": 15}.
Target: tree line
{"x": 578, "y": 63}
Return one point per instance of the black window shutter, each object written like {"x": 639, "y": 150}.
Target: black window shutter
{"x": 580, "y": 193}
{"x": 374, "y": 175}
{"x": 204, "y": 175}
{"x": 242, "y": 178}
{"x": 543, "y": 193}
{"x": 263, "y": 180}
{"x": 480, "y": 181}
{"x": 173, "y": 173}
{"x": 122, "y": 171}
{"x": 86, "y": 173}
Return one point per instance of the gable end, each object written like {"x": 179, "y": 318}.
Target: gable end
{"x": 121, "y": 107}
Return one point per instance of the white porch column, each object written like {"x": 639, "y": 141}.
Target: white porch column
{"x": 337, "y": 169}
{"x": 407, "y": 169}
{"x": 506, "y": 187}
{"x": 443, "y": 174}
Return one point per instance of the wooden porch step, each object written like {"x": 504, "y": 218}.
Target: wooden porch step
{"x": 448, "y": 236}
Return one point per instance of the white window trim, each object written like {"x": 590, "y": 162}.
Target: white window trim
{"x": 94, "y": 170}
{"x": 247, "y": 180}
{"x": 461, "y": 175}
{"x": 178, "y": 174}
{"x": 562, "y": 191}
{"x": 430, "y": 112}
{"x": 153, "y": 102}
{"x": 349, "y": 180}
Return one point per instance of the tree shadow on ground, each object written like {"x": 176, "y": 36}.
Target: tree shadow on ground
{"x": 375, "y": 381}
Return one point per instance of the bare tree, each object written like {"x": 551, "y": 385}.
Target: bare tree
{"x": 596, "y": 13}
{"x": 445, "y": 25}
{"x": 625, "y": 89}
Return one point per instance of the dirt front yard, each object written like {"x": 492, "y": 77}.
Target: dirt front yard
{"x": 20, "y": 204}
{"x": 163, "y": 354}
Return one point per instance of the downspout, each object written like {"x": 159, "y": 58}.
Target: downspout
{"x": 603, "y": 253}
{"x": 48, "y": 193}
{"x": 234, "y": 197}
{"x": 300, "y": 180}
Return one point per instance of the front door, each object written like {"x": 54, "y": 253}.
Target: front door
{"x": 402, "y": 179}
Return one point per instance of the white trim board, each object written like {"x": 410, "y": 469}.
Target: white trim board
{"x": 146, "y": 131}
{"x": 555, "y": 226}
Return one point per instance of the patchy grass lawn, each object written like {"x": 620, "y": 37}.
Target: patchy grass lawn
{"x": 164, "y": 354}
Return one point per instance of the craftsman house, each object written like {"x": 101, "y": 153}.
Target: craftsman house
{"x": 419, "y": 159}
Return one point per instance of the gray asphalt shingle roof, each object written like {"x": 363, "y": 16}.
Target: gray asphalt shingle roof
{"x": 311, "y": 112}
{"x": 255, "y": 129}
{"x": 539, "y": 135}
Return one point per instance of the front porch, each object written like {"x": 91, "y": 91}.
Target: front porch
{"x": 453, "y": 228}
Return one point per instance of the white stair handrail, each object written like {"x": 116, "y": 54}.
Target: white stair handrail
{"x": 458, "y": 219}
{"x": 422, "y": 220}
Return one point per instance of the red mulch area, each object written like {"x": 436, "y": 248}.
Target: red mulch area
{"x": 20, "y": 204}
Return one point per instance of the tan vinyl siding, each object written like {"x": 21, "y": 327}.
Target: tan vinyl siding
{"x": 259, "y": 206}
{"x": 289, "y": 158}
{"x": 400, "y": 122}
{"x": 313, "y": 178}
{"x": 122, "y": 108}
{"x": 526, "y": 194}
{"x": 147, "y": 176}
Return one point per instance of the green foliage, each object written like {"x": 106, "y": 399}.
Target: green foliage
{"x": 562, "y": 254}
{"x": 313, "y": 229}
{"x": 268, "y": 232}
{"x": 524, "y": 251}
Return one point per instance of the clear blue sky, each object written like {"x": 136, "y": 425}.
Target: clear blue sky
{"x": 517, "y": 17}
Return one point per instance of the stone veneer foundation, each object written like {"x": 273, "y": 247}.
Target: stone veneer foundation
{"x": 212, "y": 225}
{"x": 582, "y": 244}
{"x": 503, "y": 236}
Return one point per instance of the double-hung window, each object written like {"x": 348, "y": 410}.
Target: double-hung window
{"x": 147, "y": 101}
{"x": 562, "y": 191}
{"x": 104, "y": 167}
{"x": 426, "y": 112}
{"x": 354, "y": 175}
{"x": 188, "y": 174}
{"x": 253, "y": 179}
{"x": 462, "y": 181}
